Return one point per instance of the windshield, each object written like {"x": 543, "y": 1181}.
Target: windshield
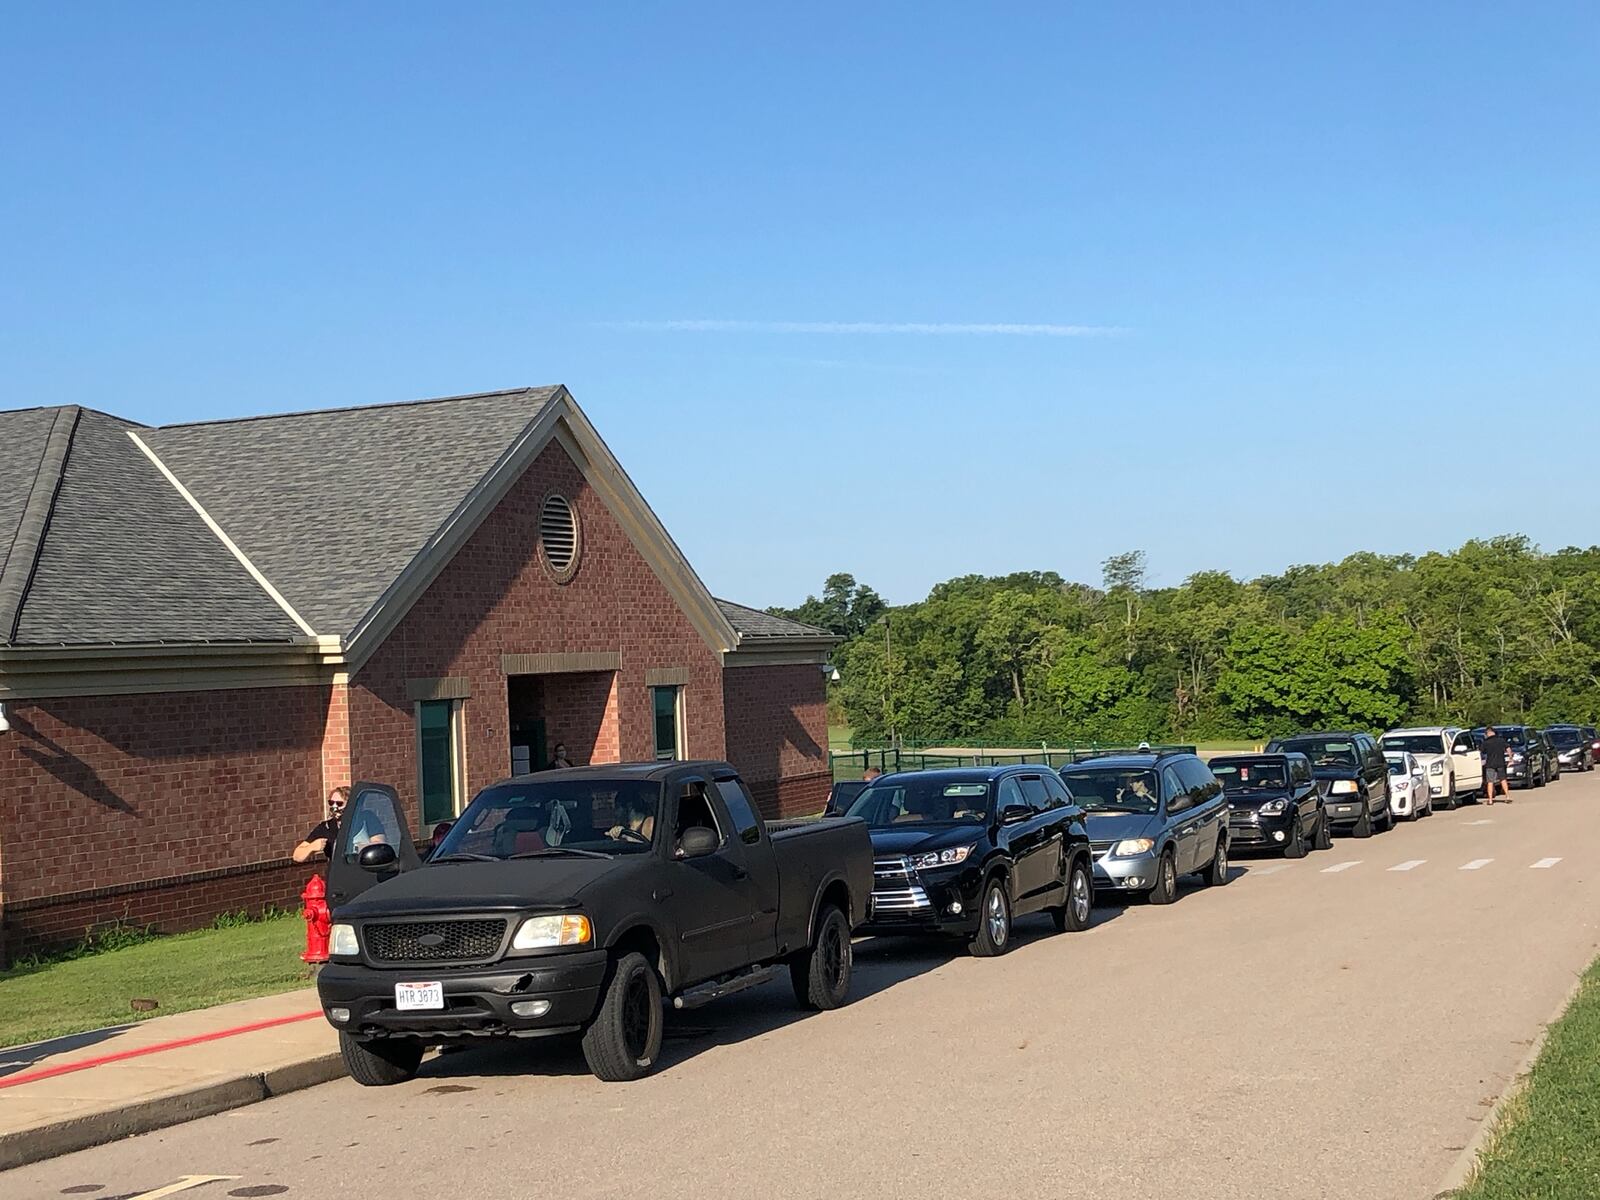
{"x": 1113, "y": 789}
{"x": 1249, "y": 776}
{"x": 1565, "y": 737}
{"x": 892, "y": 802}
{"x": 511, "y": 819}
{"x": 1513, "y": 736}
{"x": 1323, "y": 752}
{"x": 1397, "y": 766}
{"x": 1417, "y": 743}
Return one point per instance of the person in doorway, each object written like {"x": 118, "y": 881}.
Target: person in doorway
{"x": 560, "y": 760}
{"x": 1494, "y": 766}
{"x": 325, "y": 834}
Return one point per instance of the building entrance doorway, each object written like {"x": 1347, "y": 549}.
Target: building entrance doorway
{"x": 576, "y": 710}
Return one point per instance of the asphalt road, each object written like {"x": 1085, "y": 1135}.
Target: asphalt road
{"x": 1312, "y": 1029}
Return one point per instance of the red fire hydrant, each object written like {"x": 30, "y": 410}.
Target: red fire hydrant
{"x": 319, "y": 921}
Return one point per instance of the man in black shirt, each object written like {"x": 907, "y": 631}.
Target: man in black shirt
{"x": 1494, "y": 766}
{"x": 322, "y": 839}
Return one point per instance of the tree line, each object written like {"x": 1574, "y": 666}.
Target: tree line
{"x": 1494, "y": 631}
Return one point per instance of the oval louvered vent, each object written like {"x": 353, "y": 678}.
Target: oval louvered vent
{"x": 558, "y": 534}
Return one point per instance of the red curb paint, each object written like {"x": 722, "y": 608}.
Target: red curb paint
{"x": 177, "y": 1044}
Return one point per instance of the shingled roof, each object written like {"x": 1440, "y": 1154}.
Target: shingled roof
{"x": 278, "y": 529}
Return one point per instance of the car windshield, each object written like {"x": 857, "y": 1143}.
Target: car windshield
{"x": 608, "y": 816}
{"x": 1416, "y": 743}
{"x": 1323, "y": 752}
{"x": 894, "y": 801}
{"x": 1249, "y": 776}
{"x": 1397, "y": 766}
{"x": 1513, "y": 736}
{"x": 1565, "y": 737}
{"x": 1113, "y": 789}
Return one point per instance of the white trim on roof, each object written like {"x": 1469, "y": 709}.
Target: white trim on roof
{"x": 244, "y": 561}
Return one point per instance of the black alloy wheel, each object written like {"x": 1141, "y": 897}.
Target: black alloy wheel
{"x": 1297, "y": 840}
{"x": 624, "y": 1039}
{"x": 1324, "y": 838}
{"x": 821, "y": 974}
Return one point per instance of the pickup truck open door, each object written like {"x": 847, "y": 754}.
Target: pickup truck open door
{"x": 372, "y": 818}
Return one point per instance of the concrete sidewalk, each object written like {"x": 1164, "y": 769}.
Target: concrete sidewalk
{"x": 159, "y": 1072}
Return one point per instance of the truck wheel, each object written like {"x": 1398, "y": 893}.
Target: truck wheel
{"x": 1363, "y": 827}
{"x": 821, "y": 973}
{"x": 1075, "y": 914}
{"x": 382, "y": 1061}
{"x": 624, "y": 1039}
{"x": 1166, "y": 888}
{"x": 1216, "y": 872}
{"x": 1448, "y": 801}
{"x": 1324, "y": 832}
{"x": 994, "y": 921}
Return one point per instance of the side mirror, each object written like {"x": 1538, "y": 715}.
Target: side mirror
{"x": 698, "y": 842}
{"x": 1011, "y": 814}
{"x": 379, "y": 856}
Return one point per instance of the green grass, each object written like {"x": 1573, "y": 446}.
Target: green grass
{"x": 838, "y": 738}
{"x": 186, "y": 971}
{"x": 1546, "y": 1143}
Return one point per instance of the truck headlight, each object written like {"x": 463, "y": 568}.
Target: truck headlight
{"x": 1436, "y": 768}
{"x": 1273, "y": 807}
{"x": 1132, "y": 847}
{"x": 1342, "y": 786}
{"x": 941, "y": 858}
{"x": 342, "y": 942}
{"x": 561, "y": 929}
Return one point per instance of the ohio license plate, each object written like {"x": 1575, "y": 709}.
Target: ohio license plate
{"x": 409, "y": 997}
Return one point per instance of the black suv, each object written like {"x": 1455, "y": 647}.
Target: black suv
{"x": 1152, "y": 817}
{"x": 1352, "y": 775}
{"x": 1273, "y": 803}
{"x": 1531, "y": 760}
{"x": 966, "y": 851}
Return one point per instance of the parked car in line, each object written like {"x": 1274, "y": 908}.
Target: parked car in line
{"x": 1409, "y": 794}
{"x": 1548, "y": 748}
{"x": 965, "y": 851}
{"x": 1151, "y": 818}
{"x": 1448, "y": 755}
{"x": 1530, "y": 760}
{"x": 1273, "y": 803}
{"x": 1352, "y": 775}
{"x": 576, "y": 901}
{"x": 1574, "y": 748}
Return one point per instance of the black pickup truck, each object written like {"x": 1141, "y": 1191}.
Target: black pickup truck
{"x": 578, "y": 901}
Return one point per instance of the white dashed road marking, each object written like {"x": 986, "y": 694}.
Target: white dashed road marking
{"x": 1272, "y": 870}
{"x": 1544, "y": 864}
{"x": 1410, "y": 864}
{"x": 182, "y": 1185}
{"x": 1484, "y": 821}
{"x": 1476, "y": 864}
{"x": 1337, "y": 867}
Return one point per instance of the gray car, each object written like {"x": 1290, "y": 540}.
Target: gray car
{"x": 1151, "y": 818}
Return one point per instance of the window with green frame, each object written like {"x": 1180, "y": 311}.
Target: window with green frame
{"x": 438, "y": 756}
{"x": 667, "y": 705}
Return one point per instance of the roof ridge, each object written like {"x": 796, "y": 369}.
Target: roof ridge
{"x": 323, "y": 412}
{"x": 22, "y": 556}
{"x": 56, "y": 408}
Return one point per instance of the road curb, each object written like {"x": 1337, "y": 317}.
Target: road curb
{"x": 1467, "y": 1161}
{"x": 22, "y": 1147}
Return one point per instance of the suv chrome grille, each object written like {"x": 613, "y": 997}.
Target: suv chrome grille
{"x": 435, "y": 941}
{"x": 895, "y": 889}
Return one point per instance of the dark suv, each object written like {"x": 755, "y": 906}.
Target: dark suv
{"x": 1273, "y": 802}
{"x": 1352, "y": 775}
{"x": 1152, "y": 817}
{"x": 965, "y": 851}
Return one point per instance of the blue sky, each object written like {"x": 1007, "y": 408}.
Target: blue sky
{"x": 1280, "y": 250}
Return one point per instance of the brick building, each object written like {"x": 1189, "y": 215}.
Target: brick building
{"x": 203, "y": 628}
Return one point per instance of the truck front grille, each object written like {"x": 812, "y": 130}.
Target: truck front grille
{"x": 435, "y": 941}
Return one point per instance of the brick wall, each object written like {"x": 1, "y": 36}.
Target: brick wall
{"x": 580, "y": 711}
{"x": 777, "y": 735}
{"x": 496, "y": 597}
{"x": 336, "y": 740}
{"x": 100, "y": 796}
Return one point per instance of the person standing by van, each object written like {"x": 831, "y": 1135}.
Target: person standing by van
{"x": 1494, "y": 766}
